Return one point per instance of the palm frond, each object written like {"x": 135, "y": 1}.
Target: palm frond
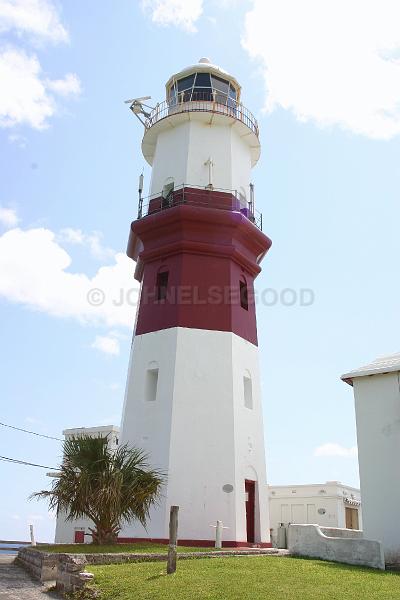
{"x": 107, "y": 486}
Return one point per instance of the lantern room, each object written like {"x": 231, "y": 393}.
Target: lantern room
{"x": 203, "y": 82}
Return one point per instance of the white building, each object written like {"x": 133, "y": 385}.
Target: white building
{"x": 68, "y": 532}
{"x": 377, "y": 404}
{"x": 329, "y": 504}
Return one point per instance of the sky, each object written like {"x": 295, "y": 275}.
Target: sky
{"x": 323, "y": 79}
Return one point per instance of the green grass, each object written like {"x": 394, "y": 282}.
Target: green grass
{"x": 138, "y": 547}
{"x": 245, "y": 578}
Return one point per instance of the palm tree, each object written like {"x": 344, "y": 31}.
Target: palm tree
{"x": 107, "y": 486}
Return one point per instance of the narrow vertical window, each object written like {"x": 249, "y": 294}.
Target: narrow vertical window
{"x": 248, "y": 392}
{"x": 244, "y": 299}
{"x": 167, "y": 193}
{"x": 162, "y": 285}
{"x": 151, "y": 385}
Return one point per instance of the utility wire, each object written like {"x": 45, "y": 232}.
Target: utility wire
{"x": 23, "y": 462}
{"x": 49, "y": 437}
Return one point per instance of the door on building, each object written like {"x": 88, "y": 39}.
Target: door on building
{"x": 311, "y": 514}
{"x": 298, "y": 513}
{"x": 250, "y": 491}
{"x": 79, "y": 537}
{"x": 351, "y": 518}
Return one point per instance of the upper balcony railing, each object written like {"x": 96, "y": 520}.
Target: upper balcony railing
{"x": 210, "y": 101}
{"x": 201, "y": 197}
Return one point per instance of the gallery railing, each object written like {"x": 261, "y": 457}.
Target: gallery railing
{"x": 210, "y": 101}
{"x": 204, "y": 197}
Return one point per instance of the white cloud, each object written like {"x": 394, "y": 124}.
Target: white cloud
{"x": 107, "y": 344}
{"x": 18, "y": 139}
{"x": 180, "y": 13}
{"x": 69, "y": 86}
{"x": 114, "y": 386}
{"x": 8, "y": 217}
{"x": 34, "y": 273}
{"x": 25, "y": 97}
{"x": 72, "y": 236}
{"x": 33, "y": 421}
{"x": 334, "y": 62}
{"x": 31, "y": 518}
{"x": 37, "y": 17}
{"x": 331, "y": 449}
{"x": 92, "y": 241}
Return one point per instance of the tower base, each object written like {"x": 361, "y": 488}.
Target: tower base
{"x": 193, "y": 403}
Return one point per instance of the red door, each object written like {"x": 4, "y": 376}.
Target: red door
{"x": 79, "y": 537}
{"x": 250, "y": 491}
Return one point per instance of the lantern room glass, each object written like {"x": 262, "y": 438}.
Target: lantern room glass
{"x": 202, "y": 86}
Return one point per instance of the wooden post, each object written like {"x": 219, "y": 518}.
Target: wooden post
{"x": 33, "y": 543}
{"x": 173, "y": 538}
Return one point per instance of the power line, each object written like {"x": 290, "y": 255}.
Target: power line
{"x": 49, "y": 437}
{"x": 24, "y": 462}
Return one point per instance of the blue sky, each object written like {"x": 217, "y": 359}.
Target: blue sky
{"x": 325, "y": 87}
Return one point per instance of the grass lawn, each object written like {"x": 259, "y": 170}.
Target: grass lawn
{"x": 138, "y": 547}
{"x": 245, "y": 578}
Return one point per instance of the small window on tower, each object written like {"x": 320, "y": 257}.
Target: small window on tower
{"x": 248, "y": 392}
{"x": 151, "y": 385}
{"x": 244, "y": 299}
{"x": 162, "y": 285}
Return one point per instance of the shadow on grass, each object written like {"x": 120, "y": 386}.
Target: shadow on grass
{"x": 344, "y": 566}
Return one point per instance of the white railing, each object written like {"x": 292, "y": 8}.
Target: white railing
{"x": 202, "y": 102}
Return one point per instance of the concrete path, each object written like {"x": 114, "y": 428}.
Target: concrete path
{"x": 16, "y": 584}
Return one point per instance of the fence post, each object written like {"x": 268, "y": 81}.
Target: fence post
{"x": 218, "y": 534}
{"x": 173, "y": 537}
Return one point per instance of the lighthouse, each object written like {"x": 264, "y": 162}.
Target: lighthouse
{"x": 193, "y": 397}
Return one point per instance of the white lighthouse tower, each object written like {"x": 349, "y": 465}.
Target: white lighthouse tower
{"x": 193, "y": 398}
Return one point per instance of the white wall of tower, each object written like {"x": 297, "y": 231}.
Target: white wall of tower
{"x": 182, "y": 151}
{"x": 249, "y": 436}
{"x": 198, "y": 430}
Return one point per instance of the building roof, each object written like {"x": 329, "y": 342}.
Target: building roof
{"x": 313, "y": 485}
{"x": 88, "y": 430}
{"x": 382, "y": 364}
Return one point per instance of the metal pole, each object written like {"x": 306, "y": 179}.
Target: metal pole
{"x": 140, "y": 196}
{"x": 252, "y": 197}
{"x": 173, "y": 538}
{"x": 218, "y": 534}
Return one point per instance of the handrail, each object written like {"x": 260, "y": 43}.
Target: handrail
{"x": 203, "y": 197}
{"x": 203, "y": 102}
